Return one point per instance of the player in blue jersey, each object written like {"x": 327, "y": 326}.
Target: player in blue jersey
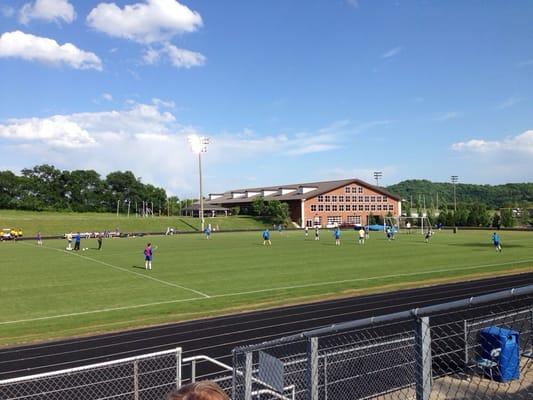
{"x": 266, "y": 237}
{"x": 207, "y": 232}
{"x": 337, "y": 234}
{"x": 496, "y": 242}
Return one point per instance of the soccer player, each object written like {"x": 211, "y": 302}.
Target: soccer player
{"x": 337, "y": 234}
{"x": 388, "y": 233}
{"x": 427, "y": 235}
{"x": 39, "y": 239}
{"x": 306, "y": 232}
{"x": 496, "y": 242}
{"x": 69, "y": 241}
{"x": 317, "y": 233}
{"x": 148, "y": 254}
{"x": 77, "y": 241}
{"x": 266, "y": 237}
{"x": 207, "y": 233}
{"x": 99, "y": 240}
{"x": 408, "y": 226}
{"x": 362, "y": 235}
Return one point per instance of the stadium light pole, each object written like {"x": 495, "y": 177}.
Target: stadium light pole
{"x": 198, "y": 146}
{"x": 377, "y": 176}
{"x": 454, "y": 178}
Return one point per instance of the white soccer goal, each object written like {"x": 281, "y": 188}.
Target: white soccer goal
{"x": 408, "y": 224}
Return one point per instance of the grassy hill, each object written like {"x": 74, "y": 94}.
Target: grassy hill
{"x": 58, "y": 223}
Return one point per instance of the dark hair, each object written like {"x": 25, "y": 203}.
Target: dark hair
{"x": 204, "y": 390}
{"x": 149, "y": 244}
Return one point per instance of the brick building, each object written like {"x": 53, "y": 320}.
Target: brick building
{"x": 342, "y": 202}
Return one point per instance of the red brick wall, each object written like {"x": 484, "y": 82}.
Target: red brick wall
{"x": 374, "y": 207}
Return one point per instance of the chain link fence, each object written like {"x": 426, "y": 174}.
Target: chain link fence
{"x": 146, "y": 377}
{"x": 478, "y": 348}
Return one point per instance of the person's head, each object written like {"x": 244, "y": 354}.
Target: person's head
{"x": 204, "y": 390}
{"x": 149, "y": 245}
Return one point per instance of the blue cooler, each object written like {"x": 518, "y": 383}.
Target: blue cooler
{"x": 507, "y": 340}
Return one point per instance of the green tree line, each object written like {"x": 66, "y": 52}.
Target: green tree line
{"x": 508, "y": 195}
{"x": 45, "y": 187}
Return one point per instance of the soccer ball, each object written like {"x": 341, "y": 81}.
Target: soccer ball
{"x": 85, "y": 248}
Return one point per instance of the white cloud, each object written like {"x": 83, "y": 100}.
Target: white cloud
{"x": 35, "y": 48}
{"x": 163, "y": 103}
{"x": 519, "y": 144}
{"x": 392, "y": 52}
{"x": 107, "y": 96}
{"x": 353, "y": 3}
{"x": 525, "y": 63}
{"x": 7, "y": 11}
{"x": 180, "y": 58}
{"x": 448, "y": 116}
{"x": 509, "y": 102}
{"x": 147, "y": 22}
{"x": 47, "y": 10}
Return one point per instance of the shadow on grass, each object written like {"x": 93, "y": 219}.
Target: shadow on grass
{"x": 477, "y": 244}
{"x": 136, "y": 266}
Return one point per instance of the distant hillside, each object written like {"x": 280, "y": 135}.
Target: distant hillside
{"x": 495, "y": 196}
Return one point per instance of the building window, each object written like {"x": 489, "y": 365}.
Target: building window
{"x": 360, "y": 207}
{"x": 348, "y": 198}
{"x": 354, "y": 219}
{"x": 341, "y": 207}
{"x": 379, "y": 207}
{"x": 318, "y": 221}
{"x": 347, "y": 190}
{"x": 321, "y": 207}
{"x": 360, "y": 199}
{"x": 354, "y": 199}
{"x": 334, "y": 207}
{"x": 372, "y": 199}
{"x": 333, "y": 199}
{"x": 391, "y": 207}
{"x": 384, "y": 199}
{"x": 354, "y": 190}
{"x": 347, "y": 208}
{"x": 309, "y": 223}
{"x": 320, "y": 199}
{"x": 313, "y": 207}
{"x": 328, "y": 207}
{"x": 367, "y": 207}
{"x": 360, "y": 190}
{"x": 334, "y": 220}
{"x": 367, "y": 199}
{"x": 328, "y": 199}
{"x": 378, "y": 198}
{"x": 341, "y": 199}
{"x": 373, "y": 207}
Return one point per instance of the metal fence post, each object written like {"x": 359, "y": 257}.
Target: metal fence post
{"x": 312, "y": 368}
{"x": 465, "y": 335}
{"x": 193, "y": 371}
{"x": 325, "y": 377}
{"x": 248, "y": 376}
{"x": 136, "y": 380}
{"x": 178, "y": 367}
{"x": 423, "y": 358}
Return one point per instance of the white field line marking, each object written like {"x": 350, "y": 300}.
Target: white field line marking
{"x": 125, "y": 270}
{"x": 472, "y": 267}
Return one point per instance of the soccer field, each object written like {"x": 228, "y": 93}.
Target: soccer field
{"x": 50, "y": 293}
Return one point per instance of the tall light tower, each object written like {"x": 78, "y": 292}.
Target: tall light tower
{"x": 454, "y": 179}
{"x": 198, "y": 146}
{"x": 377, "y": 176}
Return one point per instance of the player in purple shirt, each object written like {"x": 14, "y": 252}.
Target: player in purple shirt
{"x": 148, "y": 254}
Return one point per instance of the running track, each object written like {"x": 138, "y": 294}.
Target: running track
{"x": 216, "y": 337}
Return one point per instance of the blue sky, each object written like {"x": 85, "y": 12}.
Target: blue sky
{"x": 288, "y": 91}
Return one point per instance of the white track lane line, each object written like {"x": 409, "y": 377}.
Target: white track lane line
{"x": 204, "y": 295}
{"x": 466, "y": 268}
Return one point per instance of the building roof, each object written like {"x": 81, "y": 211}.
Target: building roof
{"x": 207, "y": 207}
{"x": 299, "y": 191}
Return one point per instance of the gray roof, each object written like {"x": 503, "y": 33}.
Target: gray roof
{"x": 318, "y": 189}
{"x": 207, "y": 207}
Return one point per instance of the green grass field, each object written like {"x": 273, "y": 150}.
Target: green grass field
{"x": 49, "y": 293}
{"x": 54, "y": 223}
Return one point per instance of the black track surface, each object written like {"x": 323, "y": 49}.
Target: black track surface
{"x": 216, "y": 337}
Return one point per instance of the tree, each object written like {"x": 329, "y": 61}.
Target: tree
{"x": 496, "y": 220}
{"x": 507, "y": 217}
